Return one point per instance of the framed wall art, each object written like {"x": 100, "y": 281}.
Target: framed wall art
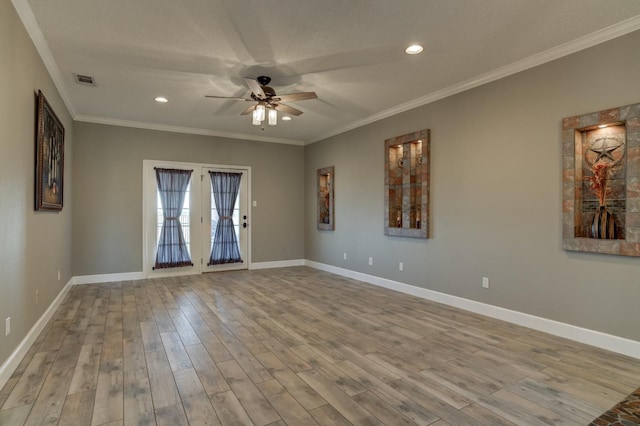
{"x": 406, "y": 185}
{"x": 601, "y": 181}
{"x": 49, "y": 179}
{"x": 326, "y": 216}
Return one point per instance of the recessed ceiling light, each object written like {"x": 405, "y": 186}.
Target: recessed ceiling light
{"x": 414, "y": 49}
{"x": 162, "y": 99}
{"x": 286, "y": 118}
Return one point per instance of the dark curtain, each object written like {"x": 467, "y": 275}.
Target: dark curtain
{"x": 172, "y": 249}
{"x": 225, "y": 243}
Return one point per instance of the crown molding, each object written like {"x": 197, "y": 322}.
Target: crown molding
{"x": 31, "y": 25}
{"x": 600, "y": 36}
{"x": 187, "y": 130}
{"x": 597, "y": 37}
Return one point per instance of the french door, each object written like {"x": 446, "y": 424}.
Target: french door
{"x": 213, "y": 221}
{"x": 201, "y": 219}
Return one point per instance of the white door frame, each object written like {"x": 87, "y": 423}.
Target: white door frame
{"x": 149, "y": 212}
{"x": 206, "y": 216}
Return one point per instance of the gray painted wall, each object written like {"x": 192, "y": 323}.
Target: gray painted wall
{"x": 35, "y": 245}
{"x": 496, "y": 195}
{"x": 107, "y": 222}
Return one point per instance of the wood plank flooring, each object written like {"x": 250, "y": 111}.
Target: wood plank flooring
{"x": 297, "y": 346}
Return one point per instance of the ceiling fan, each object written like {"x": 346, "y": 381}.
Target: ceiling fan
{"x": 267, "y": 101}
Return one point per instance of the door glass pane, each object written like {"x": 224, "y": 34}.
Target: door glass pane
{"x": 215, "y": 217}
{"x": 184, "y": 218}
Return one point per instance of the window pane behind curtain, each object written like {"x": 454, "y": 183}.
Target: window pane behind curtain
{"x": 184, "y": 218}
{"x": 225, "y": 187}
{"x": 214, "y": 218}
{"x": 172, "y": 248}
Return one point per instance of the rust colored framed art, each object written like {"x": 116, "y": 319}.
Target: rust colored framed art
{"x": 326, "y": 213}
{"x": 601, "y": 181}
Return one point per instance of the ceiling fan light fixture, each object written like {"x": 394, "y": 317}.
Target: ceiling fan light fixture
{"x": 260, "y": 111}
{"x": 267, "y": 99}
{"x": 414, "y": 49}
{"x": 256, "y": 118}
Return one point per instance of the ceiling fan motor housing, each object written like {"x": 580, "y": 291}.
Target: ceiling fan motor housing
{"x": 266, "y": 96}
{"x": 263, "y": 80}
{"x": 268, "y": 91}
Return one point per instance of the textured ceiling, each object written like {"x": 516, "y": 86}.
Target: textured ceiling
{"x": 349, "y": 52}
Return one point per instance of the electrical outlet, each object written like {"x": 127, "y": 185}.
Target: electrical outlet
{"x": 7, "y": 326}
{"x": 485, "y": 282}
{"x": 401, "y": 266}
{"x": 37, "y": 296}
{"x": 345, "y": 256}
{"x": 371, "y": 261}
{"x": 58, "y": 275}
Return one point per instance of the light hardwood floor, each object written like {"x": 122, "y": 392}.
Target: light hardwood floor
{"x": 297, "y": 346}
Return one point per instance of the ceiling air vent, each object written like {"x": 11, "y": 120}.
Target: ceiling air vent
{"x": 87, "y": 80}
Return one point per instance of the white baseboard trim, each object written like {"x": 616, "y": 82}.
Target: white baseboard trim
{"x": 108, "y": 278}
{"x": 130, "y": 276}
{"x": 583, "y": 335}
{"x": 277, "y": 264}
{"x": 10, "y": 365}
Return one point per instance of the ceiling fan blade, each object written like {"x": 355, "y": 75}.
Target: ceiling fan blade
{"x": 248, "y": 110}
{"x": 255, "y": 88}
{"x": 293, "y": 97}
{"x": 231, "y": 98}
{"x": 287, "y": 109}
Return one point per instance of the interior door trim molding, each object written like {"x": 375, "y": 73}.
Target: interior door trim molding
{"x": 148, "y": 185}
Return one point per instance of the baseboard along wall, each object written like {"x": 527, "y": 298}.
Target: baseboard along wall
{"x": 11, "y": 364}
{"x": 583, "y": 335}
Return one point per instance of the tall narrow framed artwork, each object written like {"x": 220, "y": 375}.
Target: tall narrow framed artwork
{"x": 326, "y": 214}
{"x": 49, "y": 179}
{"x": 601, "y": 181}
{"x": 406, "y": 185}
